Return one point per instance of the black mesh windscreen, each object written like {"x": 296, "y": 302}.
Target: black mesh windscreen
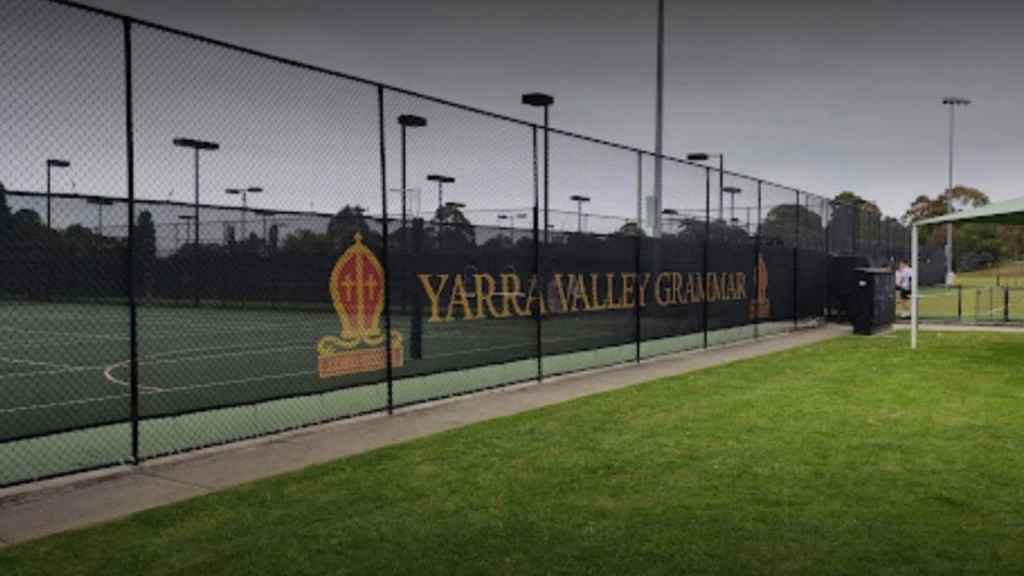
{"x": 63, "y": 254}
{"x": 266, "y": 174}
{"x": 461, "y": 253}
{"x": 199, "y": 244}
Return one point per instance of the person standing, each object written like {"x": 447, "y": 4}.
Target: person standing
{"x": 904, "y": 286}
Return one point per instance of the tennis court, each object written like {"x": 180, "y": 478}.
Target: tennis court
{"x": 210, "y": 375}
{"x": 65, "y": 366}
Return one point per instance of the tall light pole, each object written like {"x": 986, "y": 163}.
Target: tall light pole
{"x": 441, "y": 181}
{"x": 187, "y": 219}
{"x": 245, "y": 203}
{"x": 407, "y": 121}
{"x": 544, "y": 101}
{"x": 196, "y": 146}
{"x": 952, "y": 102}
{"x": 521, "y": 216}
{"x": 704, "y": 157}
{"x": 579, "y": 200}
{"x": 512, "y": 224}
{"x": 100, "y": 203}
{"x": 50, "y": 165}
{"x": 670, "y": 212}
{"x": 732, "y": 191}
{"x": 404, "y": 191}
{"x": 659, "y": 116}
{"x": 264, "y": 214}
{"x": 501, "y": 218}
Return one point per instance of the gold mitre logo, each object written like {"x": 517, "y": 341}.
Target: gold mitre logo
{"x": 357, "y": 290}
{"x": 761, "y": 306}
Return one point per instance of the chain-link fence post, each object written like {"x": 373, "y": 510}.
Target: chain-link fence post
{"x": 536, "y": 254}
{"x": 637, "y": 241}
{"x": 707, "y": 245}
{"x": 133, "y": 331}
{"x": 796, "y": 264}
{"x": 757, "y": 266}
{"x": 385, "y": 252}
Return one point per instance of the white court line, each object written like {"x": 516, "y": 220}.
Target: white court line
{"x": 51, "y": 333}
{"x": 228, "y": 354}
{"x": 47, "y": 372}
{"x": 61, "y": 404}
{"x": 235, "y": 381}
{"x": 144, "y": 336}
{"x": 37, "y": 363}
{"x": 308, "y": 372}
{"x": 108, "y": 373}
{"x": 212, "y": 348}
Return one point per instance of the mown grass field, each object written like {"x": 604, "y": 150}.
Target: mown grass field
{"x": 1006, "y": 274}
{"x": 856, "y": 456}
{"x": 989, "y": 295}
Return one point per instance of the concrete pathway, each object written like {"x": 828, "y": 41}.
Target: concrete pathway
{"x": 76, "y": 501}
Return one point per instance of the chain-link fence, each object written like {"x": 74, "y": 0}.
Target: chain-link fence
{"x": 200, "y": 244}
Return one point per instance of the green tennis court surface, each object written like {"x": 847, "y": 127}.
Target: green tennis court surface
{"x": 212, "y": 375}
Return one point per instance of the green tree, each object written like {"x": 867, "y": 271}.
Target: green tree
{"x": 455, "y": 232}
{"x": 955, "y": 200}
{"x": 978, "y": 237}
{"x": 781, "y": 225}
{"x": 630, "y": 229}
{"x": 1011, "y": 240}
{"x": 343, "y": 226}
{"x": 852, "y": 198}
{"x": 307, "y": 242}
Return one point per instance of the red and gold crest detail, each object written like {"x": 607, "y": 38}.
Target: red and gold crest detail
{"x": 357, "y": 290}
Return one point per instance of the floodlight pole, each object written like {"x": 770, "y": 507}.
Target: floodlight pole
{"x": 100, "y": 203}
{"x": 512, "y": 220}
{"x": 187, "y": 219}
{"x": 703, "y": 157}
{"x": 544, "y": 101}
{"x": 952, "y": 102}
{"x": 671, "y": 212}
{"x": 659, "y": 116}
{"x": 732, "y": 191}
{"x": 579, "y": 200}
{"x": 441, "y": 181}
{"x": 245, "y": 206}
{"x": 407, "y": 121}
{"x": 196, "y": 146}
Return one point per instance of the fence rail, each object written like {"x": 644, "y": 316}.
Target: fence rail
{"x": 201, "y": 243}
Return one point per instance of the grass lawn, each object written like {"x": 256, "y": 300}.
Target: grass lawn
{"x": 981, "y": 296}
{"x": 973, "y": 303}
{"x": 1007, "y": 274}
{"x": 854, "y": 456}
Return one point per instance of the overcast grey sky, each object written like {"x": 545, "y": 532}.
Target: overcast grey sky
{"x": 823, "y": 95}
{"x": 820, "y": 95}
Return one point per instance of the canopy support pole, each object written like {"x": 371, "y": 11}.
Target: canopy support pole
{"x": 913, "y": 288}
